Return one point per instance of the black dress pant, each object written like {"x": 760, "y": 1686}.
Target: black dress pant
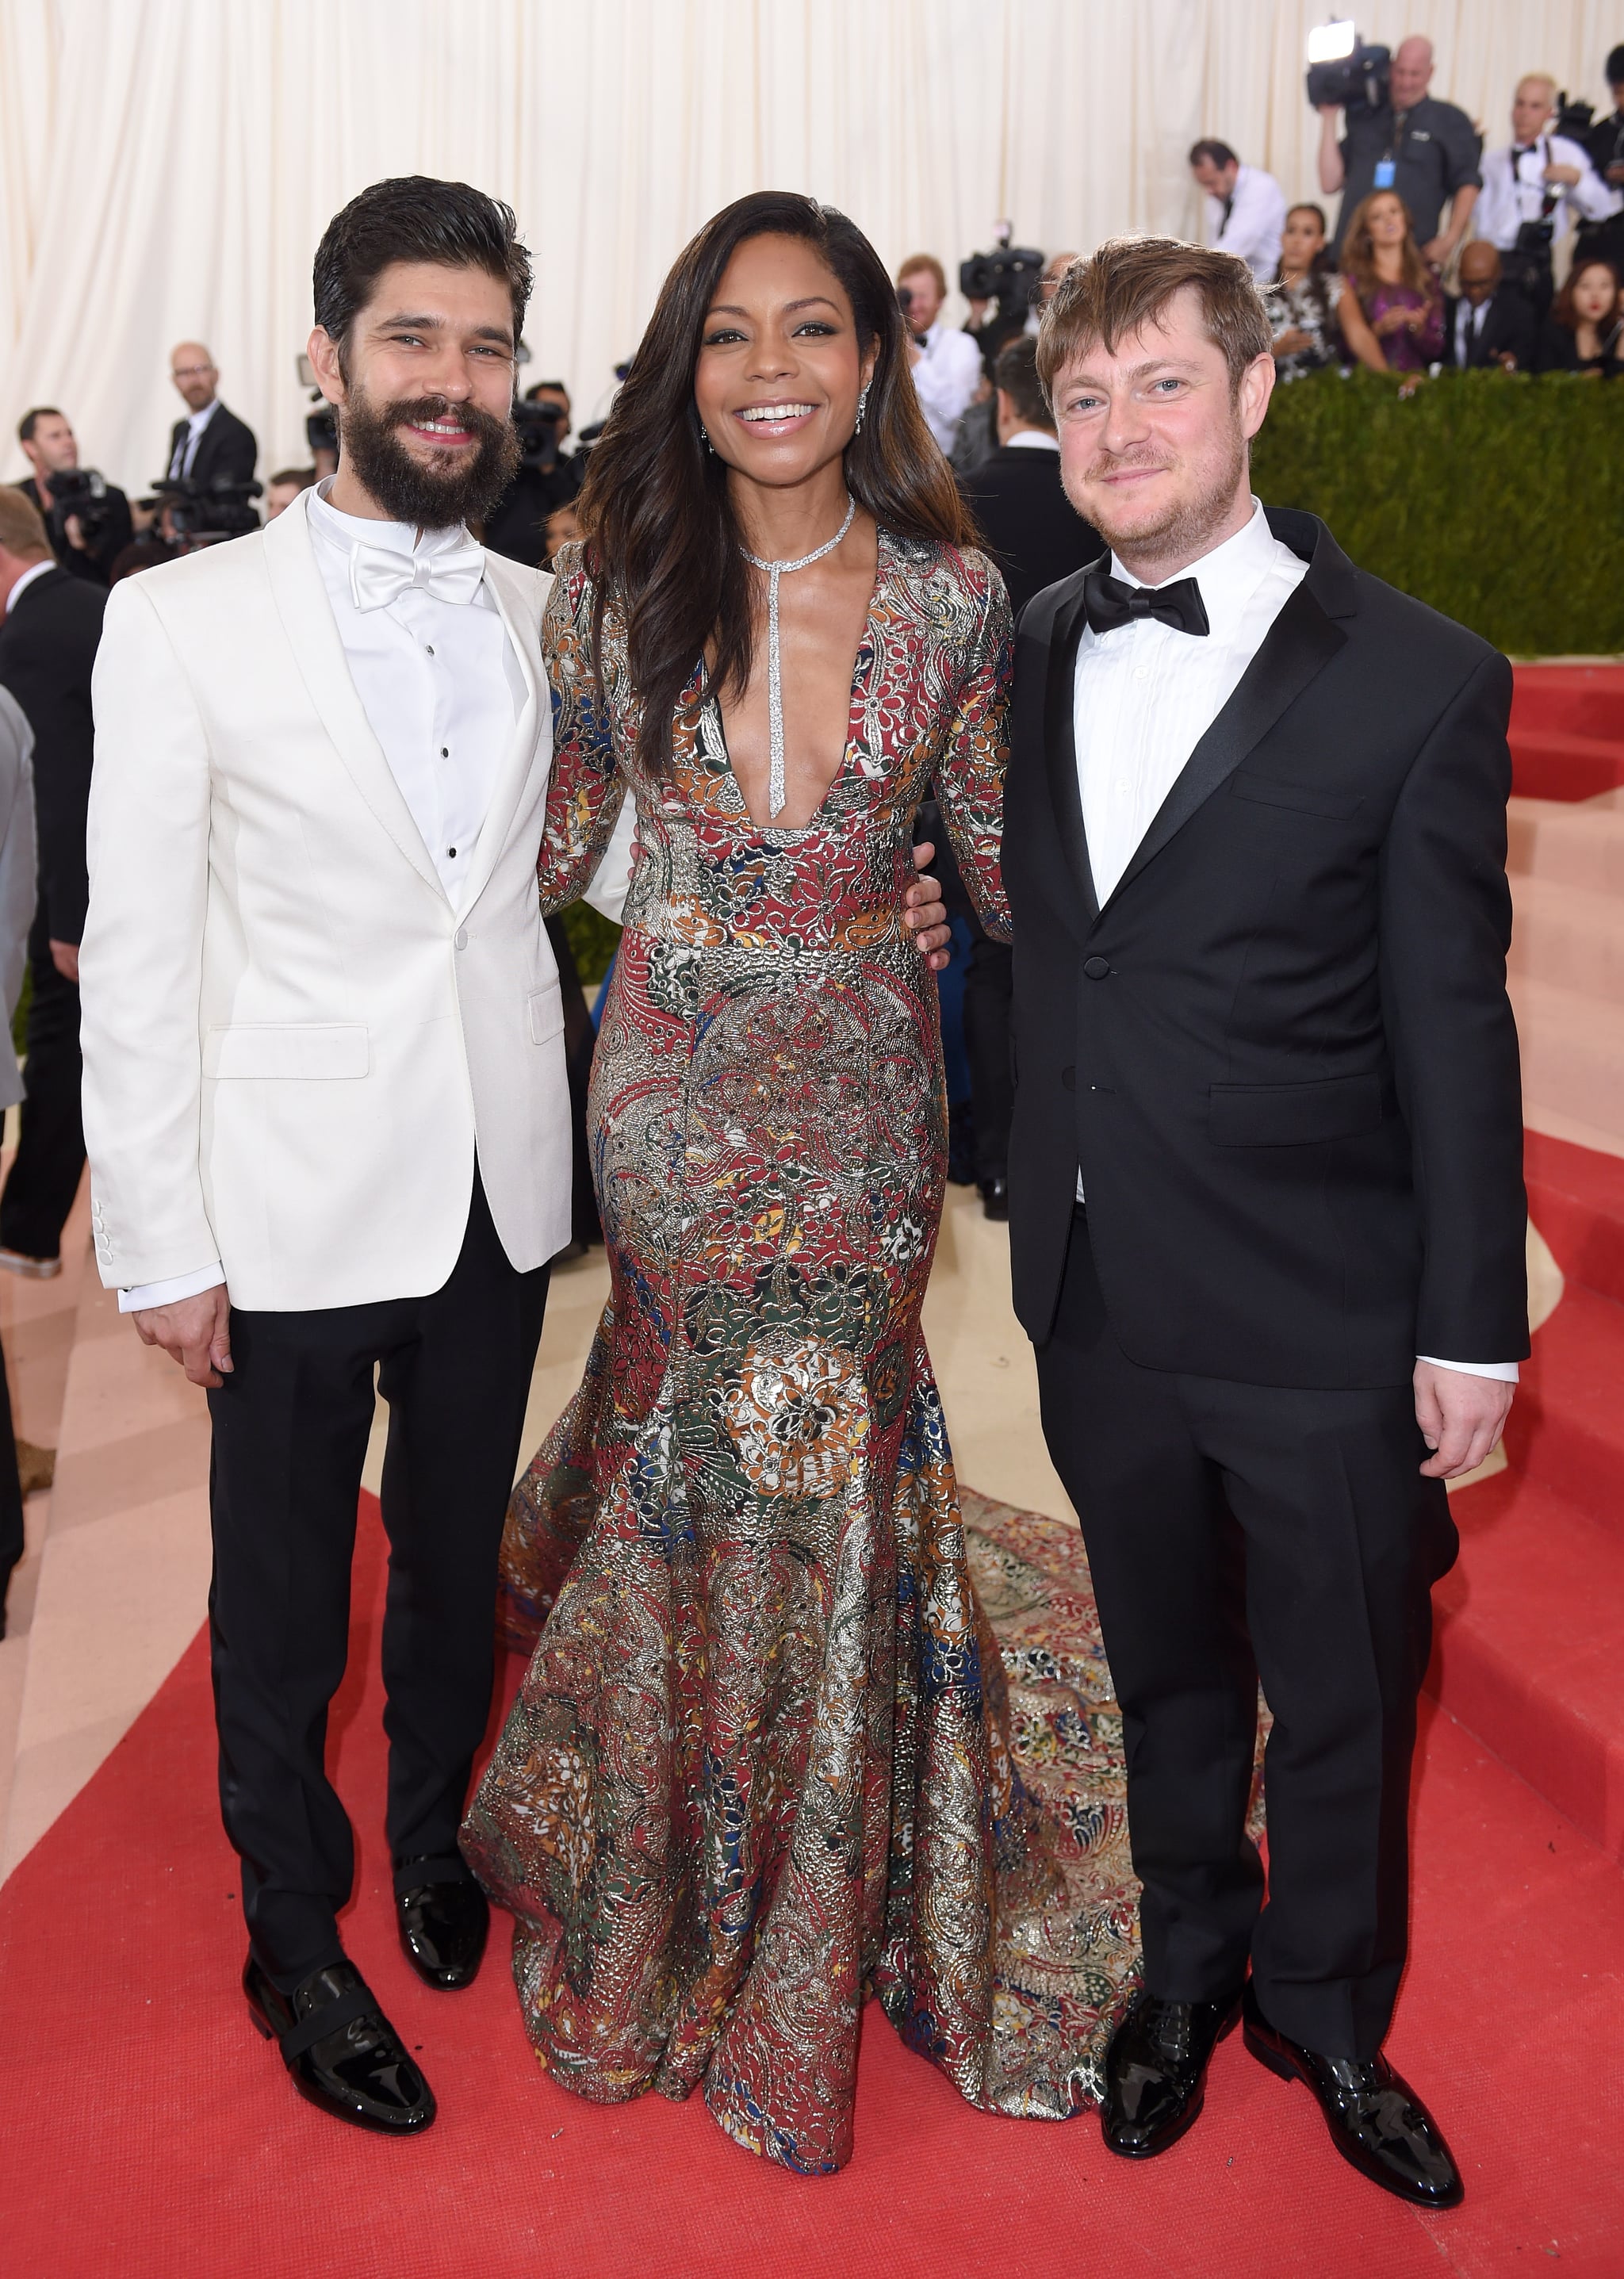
{"x": 1233, "y": 1531}
{"x": 989, "y": 982}
{"x": 290, "y": 1434}
{"x": 51, "y": 1146}
{"x": 11, "y": 1493}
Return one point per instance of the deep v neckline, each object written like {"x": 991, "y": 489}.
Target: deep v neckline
{"x": 866, "y": 650}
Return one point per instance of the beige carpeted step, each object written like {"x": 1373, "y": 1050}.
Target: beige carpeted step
{"x": 1577, "y": 844}
{"x": 1572, "y": 1052}
{"x": 1570, "y": 935}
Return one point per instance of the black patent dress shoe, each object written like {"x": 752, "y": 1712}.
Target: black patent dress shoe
{"x": 1377, "y": 2121}
{"x": 341, "y": 2052}
{"x": 1156, "y": 2072}
{"x": 995, "y": 1198}
{"x": 443, "y": 1930}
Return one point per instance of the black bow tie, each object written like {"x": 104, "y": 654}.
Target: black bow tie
{"x": 1110, "y": 603}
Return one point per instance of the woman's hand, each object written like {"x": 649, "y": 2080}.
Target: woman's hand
{"x": 924, "y": 913}
{"x": 1292, "y": 341}
{"x": 1391, "y": 320}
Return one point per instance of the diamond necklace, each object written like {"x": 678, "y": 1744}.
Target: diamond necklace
{"x": 775, "y": 685}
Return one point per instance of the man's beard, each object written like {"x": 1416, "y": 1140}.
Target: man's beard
{"x": 452, "y": 485}
{"x": 1186, "y": 524}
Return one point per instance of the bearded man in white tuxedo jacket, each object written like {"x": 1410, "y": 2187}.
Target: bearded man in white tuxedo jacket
{"x": 325, "y": 1094}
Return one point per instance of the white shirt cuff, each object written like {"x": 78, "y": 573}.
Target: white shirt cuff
{"x": 1504, "y": 1372}
{"x": 146, "y": 1294}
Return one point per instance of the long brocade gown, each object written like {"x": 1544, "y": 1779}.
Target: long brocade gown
{"x": 758, "y": 1765}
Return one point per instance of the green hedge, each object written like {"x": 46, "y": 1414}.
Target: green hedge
{"x": 1497, "y": 497}
{"x": 591, "y": 940}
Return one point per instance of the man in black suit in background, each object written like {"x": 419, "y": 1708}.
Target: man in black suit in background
{"x": 1268, "y": 1215}
{"x": 210, "y": 444}
{"x": 48, "y": 645}
{"x": 1487, "y": 323}
{"x": 1034, "y": 538}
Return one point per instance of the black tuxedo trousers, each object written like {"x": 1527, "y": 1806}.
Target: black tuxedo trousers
{"x": 290, "y": 1434}
{"x": 1280, "y": 1055}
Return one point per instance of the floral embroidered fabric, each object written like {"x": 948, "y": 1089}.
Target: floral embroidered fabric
{"x": 763, "y": 1762}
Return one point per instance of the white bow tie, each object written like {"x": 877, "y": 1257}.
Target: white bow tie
{"x": 380, "y": 575}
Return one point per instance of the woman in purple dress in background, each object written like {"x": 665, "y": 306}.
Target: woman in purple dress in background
{"x": 1391, "y": 311}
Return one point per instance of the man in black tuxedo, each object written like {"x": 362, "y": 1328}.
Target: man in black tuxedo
{"x": 1034, "y": 538}
{"x": 210, "y": 445}
{"x": 48, "y": 645}
{"x": 1266, "y": 1151}
{"x": 1487, "y": 323}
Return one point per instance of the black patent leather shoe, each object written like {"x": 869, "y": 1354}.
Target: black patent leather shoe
{"x": 995, "y": 1198}
{"x": 1156, "y": 2072}
{"x": 443, "y": 1930}
{"x": 340, "y": 2051}
{"x": 1377, "y": 2121}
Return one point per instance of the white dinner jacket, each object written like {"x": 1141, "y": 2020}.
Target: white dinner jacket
{"x": 290, "y": 1036}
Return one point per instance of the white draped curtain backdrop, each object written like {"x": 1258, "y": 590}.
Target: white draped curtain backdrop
{"x": 168, "y": 166}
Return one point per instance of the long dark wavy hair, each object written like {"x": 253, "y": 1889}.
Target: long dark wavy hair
{"x": 664, "y": 545}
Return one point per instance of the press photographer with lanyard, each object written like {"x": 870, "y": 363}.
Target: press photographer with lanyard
{"x": 1534, "y": 186}
{"x": 1426, "y": 150}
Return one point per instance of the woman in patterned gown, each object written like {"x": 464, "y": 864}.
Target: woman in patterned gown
{"x": 757, "y": 1769}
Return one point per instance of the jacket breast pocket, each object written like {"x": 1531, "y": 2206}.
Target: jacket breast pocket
{"x": 1295, "y": 1115}
{"x": 274, "y": 1051}
{"x": 545, "y": 1012}
{"x": 1303, "y": 799}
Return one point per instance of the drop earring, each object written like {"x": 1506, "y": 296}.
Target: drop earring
{"x": 862, "y": 405}
{"x": 704, "y": 436}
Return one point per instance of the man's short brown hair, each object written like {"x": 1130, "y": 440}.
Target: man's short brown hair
{"x": 21, "y": 530}
{"x": 1126, "y": 283}
{"x": 925, "y": 261}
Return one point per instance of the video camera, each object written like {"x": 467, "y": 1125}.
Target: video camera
{"x": 1574, "y": 119}
{"x": 538, "y": 426}
{"x": 202, "y": 513}
{"x": 77, "y": 493}
{"x": 1010, "y": 275}
{"x": 320, "y": 426}
{"x": 1343, "y": 70}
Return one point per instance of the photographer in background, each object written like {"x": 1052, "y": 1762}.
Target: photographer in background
{"x": 1245, "y": 208}
{"x": 284, "y": 487}
{"x": 1053, "y": 269}
{"x": 210, "y": 445}
{"x": 548, "y": 477}
{"x": 946, "y": 364}
{"x": 1426, "y": 150}
{"x": 87, "y": 519}
{"x": 1603, "y": 144}
{"x": 1533, "y": 186}
{"x": 1487, "y": 323}
{"x": 47, "y": 644}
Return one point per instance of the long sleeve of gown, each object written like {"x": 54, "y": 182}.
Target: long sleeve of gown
{"x": 969, "y": 772}
{"x": 586, "y": 789}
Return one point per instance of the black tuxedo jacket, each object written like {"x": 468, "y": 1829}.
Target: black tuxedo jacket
{"x": 226, "y": 449}
{"x": 1281, "y": 1053}
{"x": 1027, "y": 520}
{"x": 1509, "y": 324}
{"x": 48, "y": 647}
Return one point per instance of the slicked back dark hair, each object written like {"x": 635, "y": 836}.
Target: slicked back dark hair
{"x": 30, "y": 420}
{"x": 663, "y": 542}
{"x": 1014, "y": 369}
{"x": 414, "y": 217}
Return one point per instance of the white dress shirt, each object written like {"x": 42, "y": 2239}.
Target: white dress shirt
{"x": 186, "y": 449}
{"x": 1033, "y": 439}
{"x": 1515, "y": 190}
{"x": 1255, "y": 224}
{"x": 442, "y": 689}
{"x": 1145, "y": 693}
{"x": 946, "y": 375}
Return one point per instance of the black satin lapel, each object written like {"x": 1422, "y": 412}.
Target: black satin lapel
{"x": 1301, "y": 642}
{"x": 1059, "y": 746}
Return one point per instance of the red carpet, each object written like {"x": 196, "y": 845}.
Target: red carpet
{"x": 1567, "y": 733}
{"x": 149, "y": 2133}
